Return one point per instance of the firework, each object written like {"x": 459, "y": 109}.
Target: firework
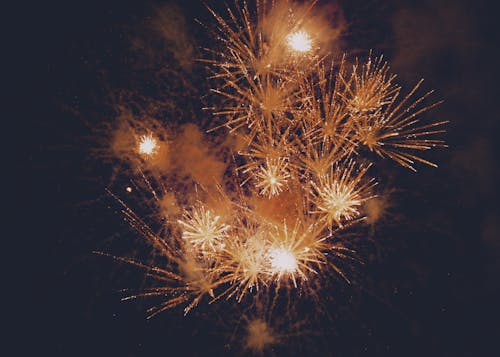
{"x": 257, "y": 67}
{"x": 385, "y": 125}
{"x": 294, "y": 252}
{"x": 339, "y": 194}
{"x": 268, "y": 219}
{"x": 203, "y": 230}
{"x": 272, "y": 177}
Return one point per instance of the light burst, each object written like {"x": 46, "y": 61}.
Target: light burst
{"x": 299, "y": 41}
{"x": 148, "y": 145}
{"x": 283, "y": 260}
{"x": 296, "y": 252}
{"x": 369, "y": 87}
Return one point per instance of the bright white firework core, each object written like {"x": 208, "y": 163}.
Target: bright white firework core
{"x": 299, "y": 41}
{"x": 147, "y": 145}
{"x": 283, "y": 261}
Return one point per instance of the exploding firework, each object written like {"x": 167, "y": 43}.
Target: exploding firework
{"x": 268, "y": 221}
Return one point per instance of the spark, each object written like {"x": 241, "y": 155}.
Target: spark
{"x": 384, "y": 124}
{"x": 257, "y": 76}
{"x": 327, "y": 120}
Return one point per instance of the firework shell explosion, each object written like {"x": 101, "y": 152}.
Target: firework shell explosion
{"x": 302, "y": 130}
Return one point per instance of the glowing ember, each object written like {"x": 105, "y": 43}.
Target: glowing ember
{"x": 299, "y": 41}
{"x": 148, "y": 145}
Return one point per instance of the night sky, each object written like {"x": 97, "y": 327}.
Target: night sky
{"x": 430, "y": 283}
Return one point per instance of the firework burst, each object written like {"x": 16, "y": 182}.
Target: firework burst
{"x": 268, "y": 220}
{"x": 272, "y": 178}
{"x": 339, "y": 194}
{"x": 202, "y": 229}
{"x": 297, "y": 251}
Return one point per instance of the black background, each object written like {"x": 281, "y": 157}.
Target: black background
{"x": 435, "y": 274}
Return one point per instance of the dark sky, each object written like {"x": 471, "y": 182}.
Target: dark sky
{"x": 430, "y": 285}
